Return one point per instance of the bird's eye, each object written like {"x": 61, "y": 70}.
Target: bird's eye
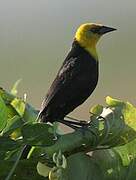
{"x": 95, "y": 30}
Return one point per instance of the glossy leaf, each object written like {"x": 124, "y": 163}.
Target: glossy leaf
{"x": 30, "y": 114}
{"x": 25, "y": 170}
{"x": 115, "y": 126}
{"x": 13, "y": 124}
{"x": 19, "y": 106}
{"x": 3, "y": 114}
{"x": 43, "y": 169}
{"x": 37, "y": 134}
{"x": 7, "y": 144}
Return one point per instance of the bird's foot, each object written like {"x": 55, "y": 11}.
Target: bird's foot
{"x": 74, "y": 124}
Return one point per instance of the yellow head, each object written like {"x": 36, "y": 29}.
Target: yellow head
{"x": 88, "y": 35}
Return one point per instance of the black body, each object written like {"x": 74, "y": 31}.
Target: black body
{"x": 74, "y": 83}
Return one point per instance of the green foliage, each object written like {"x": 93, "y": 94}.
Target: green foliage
{"x": 37, "y": 134}
{"x": 104, "y": 149}
{"x": 3, "y": 114}
{"x": 14, "y": 88}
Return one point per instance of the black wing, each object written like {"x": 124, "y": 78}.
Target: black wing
{"x": 60, "y": 87}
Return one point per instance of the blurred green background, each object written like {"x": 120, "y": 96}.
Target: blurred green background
{"x": 35, "y": 37}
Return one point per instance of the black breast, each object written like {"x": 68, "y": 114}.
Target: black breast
{"x": 74, "y": 83}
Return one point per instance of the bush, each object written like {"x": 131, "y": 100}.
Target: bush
{"x": 104, "y": 149}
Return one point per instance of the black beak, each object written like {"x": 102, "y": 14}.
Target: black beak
{"x": 105, "y": 29}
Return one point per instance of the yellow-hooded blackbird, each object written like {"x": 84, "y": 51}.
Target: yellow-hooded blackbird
{"x": 77, "y": 77}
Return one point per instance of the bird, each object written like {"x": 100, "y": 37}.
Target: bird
{"x": 77, "y": 77}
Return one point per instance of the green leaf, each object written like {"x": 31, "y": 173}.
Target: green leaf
{"x": 14, "y": 88}
{"x": 131, "y": 170}
{"x": 115, "y": 126}
{"x": 7, "y": 144}
{"x": 25, "y": 170}
{"x": 30, "y": 114}
{"x": 96, "y": 110}
{"x": 3, "y": 114}
{"x": 127, "y": 152}
{"x": 12, "y": 125}
{"x": 43, "y": 169}
{"x": 116, "y": 163}
{"x": 6, "y": 96}
{"x": 11, "y": 111}
{"x": 110, "y": 164}
{"x": 19, "y": 106}
{"x": 82, "y": 167}
{"x": 67, "y": 143}
{"x": 113, "y": 102}
{"x": 37, "y": 134}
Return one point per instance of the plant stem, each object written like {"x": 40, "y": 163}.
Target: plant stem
{"x": 15, "y": 164}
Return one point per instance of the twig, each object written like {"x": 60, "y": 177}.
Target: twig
{"x": 15, "y": 164}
